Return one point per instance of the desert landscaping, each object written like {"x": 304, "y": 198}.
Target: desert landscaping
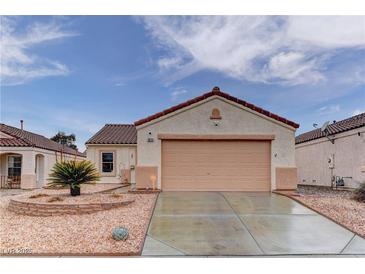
{"x": 76, "y": 234}
{"x": 337, "y": 205}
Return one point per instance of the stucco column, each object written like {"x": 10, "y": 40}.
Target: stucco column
{"x": 28, "y": 177}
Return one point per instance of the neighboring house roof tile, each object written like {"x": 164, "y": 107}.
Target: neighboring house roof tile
{"x": 216, "y": 92}
{"x": 23, "y": 138}
{"x": 335, "y": 128}
{"x": 115, "y": 134}
{"x": 13, "y": 142}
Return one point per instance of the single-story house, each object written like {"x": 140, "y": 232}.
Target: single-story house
{"x": 26, "y": 158}
{"x": 326, "y": 156}
{"x": 209, "y": 143}
{"x": 113, "y": 150}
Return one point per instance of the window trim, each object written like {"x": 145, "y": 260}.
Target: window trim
{"x": 8, "y": 166}
{"x": 107, "y": 174}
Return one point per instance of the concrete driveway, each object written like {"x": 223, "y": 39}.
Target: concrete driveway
{"x": 242, "y": 223}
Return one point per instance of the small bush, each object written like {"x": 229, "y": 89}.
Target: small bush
{"x": 116, "y": 195}
{"x": 359, "y": 193}
{"x": 55, "y": 199}
{"x": 39, "y": 195}
{"x": 120, "y": 233}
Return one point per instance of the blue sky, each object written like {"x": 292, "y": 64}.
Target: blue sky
{"x": 77, "y": 73}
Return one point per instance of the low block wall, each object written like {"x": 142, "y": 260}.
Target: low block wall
{"x": 43, "y": 209}
{"x": 146, "y": 177}
{"x": 286, "y": 178}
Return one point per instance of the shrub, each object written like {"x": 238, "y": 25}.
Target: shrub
{"x": 116, "y": 195}
{"x": 120, "y": 233}
{"x": 359, "y": 193}
{"x": 73, "y": 173}
{"x": 54, "y": 199}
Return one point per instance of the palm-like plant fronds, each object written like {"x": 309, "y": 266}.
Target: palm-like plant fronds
{"x": 73, "y": 173}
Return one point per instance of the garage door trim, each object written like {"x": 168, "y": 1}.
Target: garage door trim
{"x": 234, "y": 137}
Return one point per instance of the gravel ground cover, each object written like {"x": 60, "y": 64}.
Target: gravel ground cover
{"x": 85, "y": 189}
{"x": 335, "y": 204}
{"x": 12, "y": 192}
{"x": 88, "y": 234}
{"x": 67, "y": 199}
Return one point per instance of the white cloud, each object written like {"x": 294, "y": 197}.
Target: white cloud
{"x": 287, "y": 50}
{"x": 357, "y": 112}
{"x": 18, "y": 64}
{"x": 293, "y": 68}
{"x": 327, "y": 110}
{"x": 177, "y": 93}
{"x": 166, "y": 63}
{"x": 328, "y": 31}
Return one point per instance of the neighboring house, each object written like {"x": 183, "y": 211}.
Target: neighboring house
{"x": 321, "y": 162}
{"x": 26, "y": 158}
{"x": 212, "y": 142}
{"x": 113, "y": 150}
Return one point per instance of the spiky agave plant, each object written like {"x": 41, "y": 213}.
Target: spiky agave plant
{"x": 73, "y": 173}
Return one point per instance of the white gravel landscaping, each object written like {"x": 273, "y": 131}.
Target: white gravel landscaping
{"x": 85, "y": 189}
{"x": 67, "y": 199}
{"x": 335, "y": 204}
{"x": 88, "y": 234}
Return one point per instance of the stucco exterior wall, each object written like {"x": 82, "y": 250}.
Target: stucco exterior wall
{"x": 30, "y": 176}
{"x": 125, "y": 158}
{"x": 349, "y": 158}
{"x": 236, "y": 119}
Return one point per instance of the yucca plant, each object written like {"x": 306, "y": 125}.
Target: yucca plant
{"x": 73, "y": 173}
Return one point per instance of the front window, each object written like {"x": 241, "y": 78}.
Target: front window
{"x": 107, "y": 162}
{"x": 14, "y": 166}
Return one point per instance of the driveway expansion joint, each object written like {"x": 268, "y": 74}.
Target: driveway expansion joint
{"x": 162, "y": 242}
{"x": 352, "y": 238}
{"x": 242, "y": 222}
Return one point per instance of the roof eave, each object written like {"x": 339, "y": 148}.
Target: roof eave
{"x": 202, "y": 98}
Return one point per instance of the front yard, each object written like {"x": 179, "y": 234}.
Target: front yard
{"x": 91, "y": 233}
{"x": 336, "y": 205}
{"x": 85, "y": 234}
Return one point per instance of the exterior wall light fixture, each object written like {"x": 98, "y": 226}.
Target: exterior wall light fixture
{"x": 216, "y": 123}
{"x": 153, "y": 179}
{"x": 150, "y": 138}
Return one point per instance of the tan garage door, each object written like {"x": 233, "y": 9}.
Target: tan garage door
{"x": 216, "y": 165}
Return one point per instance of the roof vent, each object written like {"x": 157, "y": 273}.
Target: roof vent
{"x": 216, "y": 89}
{"x": 21, "y": 124}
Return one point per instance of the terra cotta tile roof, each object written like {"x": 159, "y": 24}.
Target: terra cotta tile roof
{"x": 335, "y": 128}
{"x": 115, "y": 134}
{"x": 216, "y": 92}
{"x": 13, "y": 142}
{"x": 22, "y": 138}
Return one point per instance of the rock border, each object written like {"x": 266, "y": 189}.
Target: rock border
{"x": 43, "y": 210}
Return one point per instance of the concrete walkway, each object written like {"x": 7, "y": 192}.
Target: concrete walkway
{"x": 242, "y": 223}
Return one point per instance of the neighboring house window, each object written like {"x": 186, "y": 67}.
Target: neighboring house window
{"x": 14, "y": 165}
{"x": 107, "y": 162}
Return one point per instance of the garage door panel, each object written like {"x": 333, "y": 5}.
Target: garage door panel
{"x": 216, "y": 165}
